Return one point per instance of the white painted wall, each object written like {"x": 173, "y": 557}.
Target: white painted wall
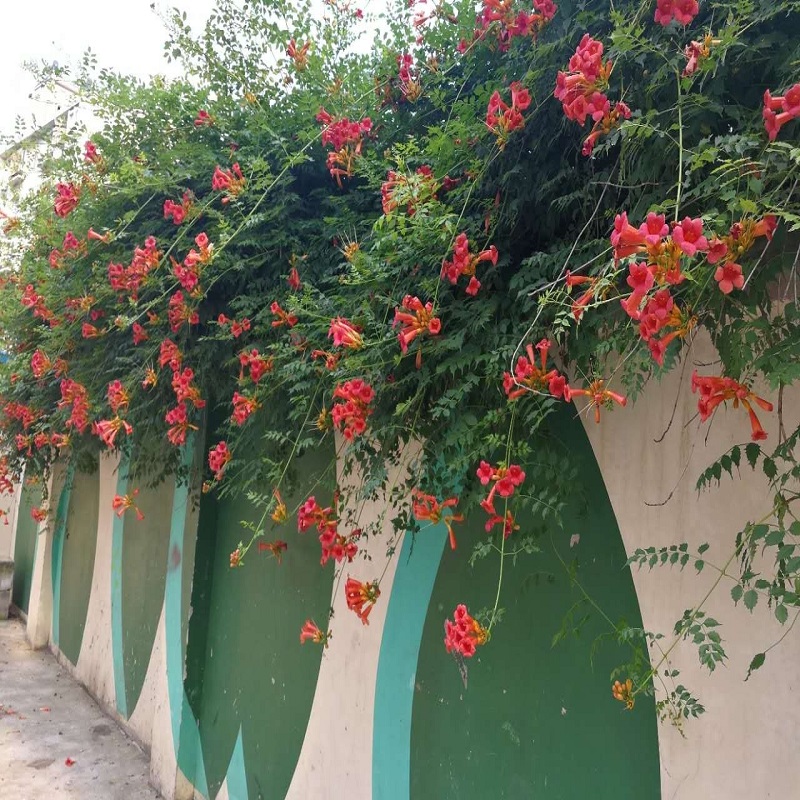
{"x": 744, "y": 746}
{"x": 336, "y": 757}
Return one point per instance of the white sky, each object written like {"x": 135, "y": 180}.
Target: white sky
{"x": 126, "y": 35}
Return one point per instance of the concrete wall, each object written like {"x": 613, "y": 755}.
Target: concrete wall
{"x": 388, "y": 717}
{"x": 742, "y": 747}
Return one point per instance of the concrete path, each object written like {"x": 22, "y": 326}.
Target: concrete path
{"x": 47, "y": 720}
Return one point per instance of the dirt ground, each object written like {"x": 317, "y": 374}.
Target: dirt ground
{"x": 55, "y": 741}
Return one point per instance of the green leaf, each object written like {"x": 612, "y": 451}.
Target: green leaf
{"x": 737, "y": 592}
{"x": 752, "y": 451}
{"x": 781, "y": 614}
{"x": 756, "y": 663}
{"x": 769, "y": 467}
{"x": 750, "y": 599}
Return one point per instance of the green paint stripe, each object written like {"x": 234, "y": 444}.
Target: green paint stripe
{"x": 58, "y": 549}
{"x": 116, "y": 595}
{"x": 397, "y": 663}
{"x": 185, "y": 733}
{"x": 190, "y": 752}
{"x": 237, "y": 777}
{"x": 172, "y": 600}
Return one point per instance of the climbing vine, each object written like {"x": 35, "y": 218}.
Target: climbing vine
{"x": 421, "y": 248}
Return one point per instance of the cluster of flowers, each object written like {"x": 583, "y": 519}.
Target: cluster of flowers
{"x": 185, "y": 392}
{"x": 417, "y": 318}
{"x": 624, "y": 693}
{"x": 502, "y": 119}
{"x": 361, "y": 597}
{"x": 683, "y": 11}
{"x": 504, "y": 480}
{"x": 463, "y": 634}
{"x": 665, "y": 248}
{"x": 293, "y": 279}
{"x": 130, "y": 279}
{"x": 231, "y": 181}
{"x": 532, "y": 377}
{"x": 311, "y": 632}
{"x": 75, "y": 397}
{"x": 91, "y": 156}
{"x": 255, "y": 364}
{"x": 580, "y": 91}
{"x": 188, "y": 271}
{"x": 351, "y": 414}
{"x": 466, "y": 263}
{"x": 282, "y": 317}
{"x": 334, "y": 545}
{"x": 179, "y": 425}
{"x": 780, "y": 109}
{"x": 299, "y": 55}
{"x": 178, "y": 211}
{"x": 696, "y": 52}
{"x": 345, "y": 334}
{"x": 108, "y": 429}
{"x": 238, "y": 327}
{"x": 180, "y": 312}
{"x": 499, "y": 16}
{"x": 252, "y": 362}
{"x": 34, "y": 301}
{"x": 71, "y": 248}
{"x": 68, "y": 195}
{"x": 243, "y": 407}
{"x": 40, "y": 364}
{"x": 427, "y": 507}
{"x": 203, "y": 119}
{"x": 346, "y": 138}
{"x": 717, "y": 390}
{"x": 729, "y": 249}
{"x": 412, "y": 190}
{"x": 410, "y": 87}
{"x": 127, "y": 502}
{"x": 23, "y": 414}
{"x": 218, "y": 458}
{"x": 40, "y": 440}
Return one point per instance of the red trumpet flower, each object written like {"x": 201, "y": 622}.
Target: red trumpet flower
{"x": 427, "y": 507}
{"x": 598, "y": 395}
{"x": 716, "y": 390}
{"x": 361, "y": 597}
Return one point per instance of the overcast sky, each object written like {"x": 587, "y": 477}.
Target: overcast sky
{"x": 126, "y": 35}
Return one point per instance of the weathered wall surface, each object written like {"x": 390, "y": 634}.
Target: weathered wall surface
{"x": 202, "y": 663}
{"x": 26, "y": 536}
{"x": 743, "y": 746}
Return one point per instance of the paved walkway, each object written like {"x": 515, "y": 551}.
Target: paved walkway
{"x": 47, "y": 720}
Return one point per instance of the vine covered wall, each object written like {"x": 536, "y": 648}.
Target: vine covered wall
{"x": 411, "y": 260}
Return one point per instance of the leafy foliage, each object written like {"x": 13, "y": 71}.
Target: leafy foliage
{"x": 323, "y": 184}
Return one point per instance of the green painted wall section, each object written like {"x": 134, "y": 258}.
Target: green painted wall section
{"x": 177, "y": 594}
{"x": 77, "y": 561}
{"x": 145, "y": 547}
{"x": 25, "y": 546}
{"x": 246, "y": 669}
{"x": 61, "y": 491}
{"x": 536, "y": 721}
